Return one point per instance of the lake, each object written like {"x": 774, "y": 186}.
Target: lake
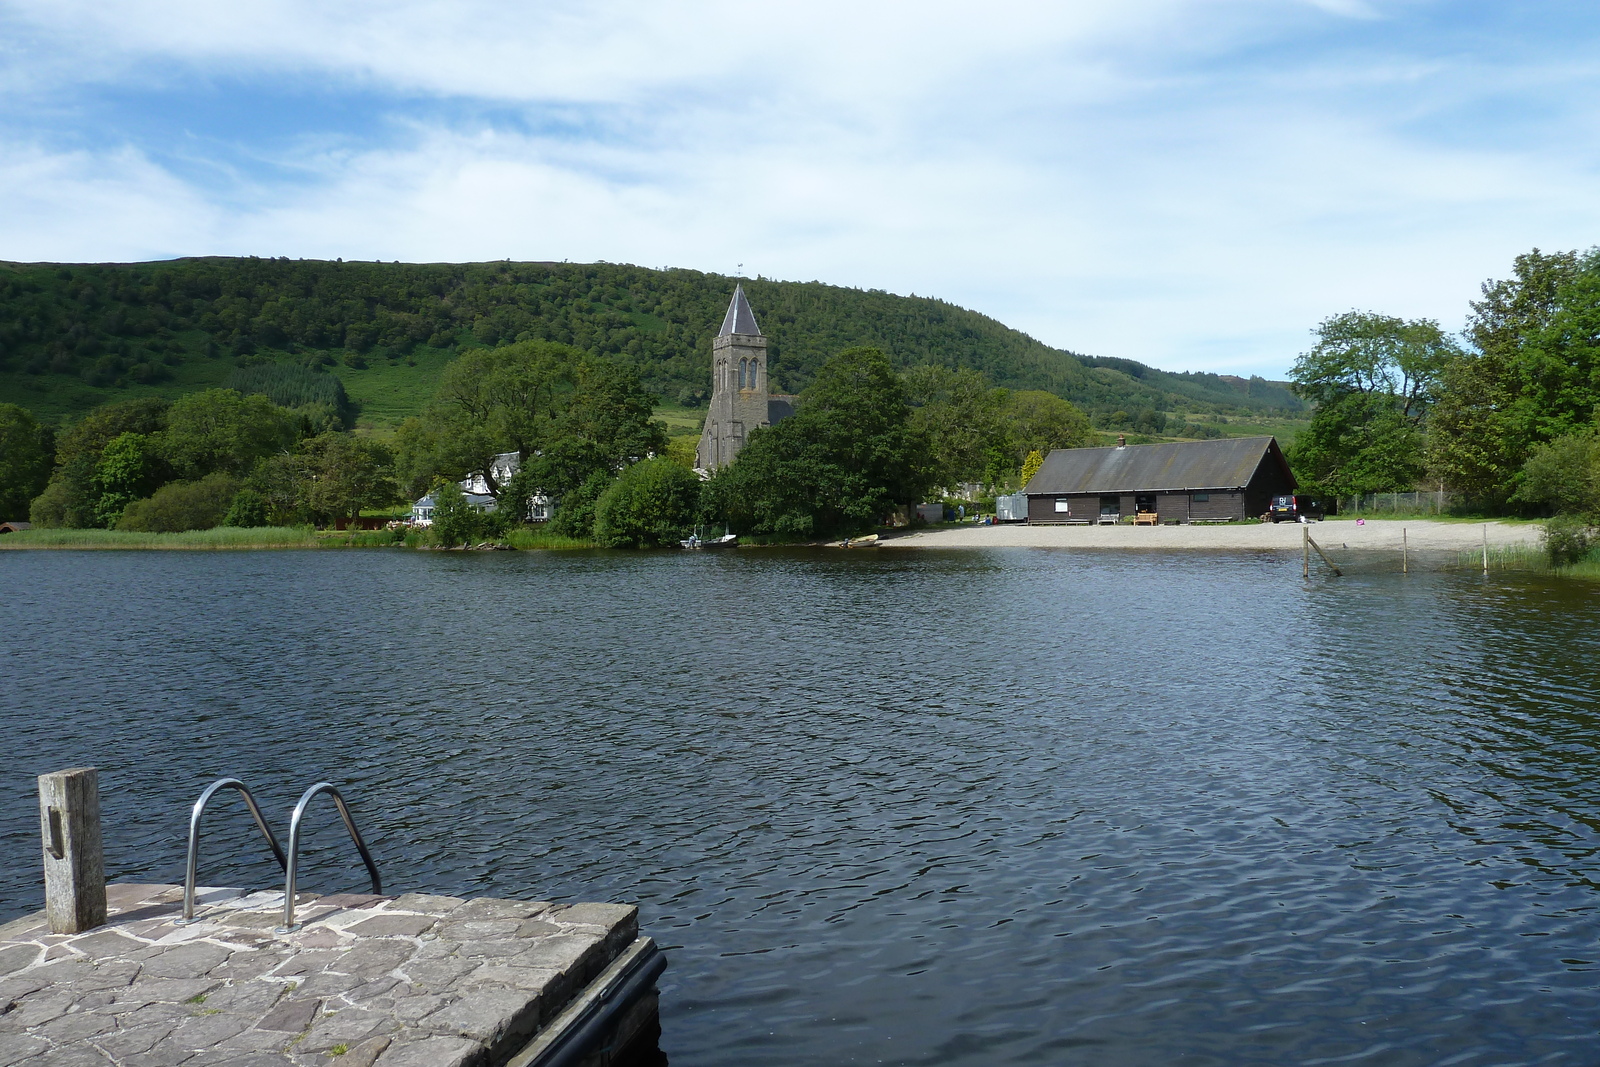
{"x": 960, "y": 807}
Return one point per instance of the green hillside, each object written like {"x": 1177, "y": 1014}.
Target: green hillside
{"x": 76, "y": 335}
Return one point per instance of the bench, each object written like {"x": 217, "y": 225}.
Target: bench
{"x": 1145, "y": 518}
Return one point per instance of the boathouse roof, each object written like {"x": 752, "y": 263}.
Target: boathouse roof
{"x": 1177, "y": 466}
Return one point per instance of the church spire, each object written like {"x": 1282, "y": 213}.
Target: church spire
{"x": 739, "y": 319}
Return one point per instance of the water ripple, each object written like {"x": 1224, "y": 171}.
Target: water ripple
{"x": 919, "y": 808}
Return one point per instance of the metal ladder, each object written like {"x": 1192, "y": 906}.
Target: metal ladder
{"x": 290, "y": 862}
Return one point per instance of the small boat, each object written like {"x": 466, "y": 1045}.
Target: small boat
{"x": 694, "y": 540}
{"x": 869, "y": 541}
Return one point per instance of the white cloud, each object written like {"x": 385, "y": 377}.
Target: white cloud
{"x": 1113, "y": 178}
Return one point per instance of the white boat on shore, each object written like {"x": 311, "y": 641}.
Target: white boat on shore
{"x": 696, "y": 541}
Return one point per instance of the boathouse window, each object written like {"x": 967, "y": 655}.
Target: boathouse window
{"x": 1201, "y": 498}
{"x": 1063, "y": 506}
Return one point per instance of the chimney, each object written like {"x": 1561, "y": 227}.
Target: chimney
{"x": 1122, "y": 440}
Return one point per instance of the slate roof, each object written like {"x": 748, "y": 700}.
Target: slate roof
{"x": 739, "y": 319}
{"x": 1174, "y": 467}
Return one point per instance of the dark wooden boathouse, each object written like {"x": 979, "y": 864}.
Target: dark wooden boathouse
{"x": 1197, "y": 481}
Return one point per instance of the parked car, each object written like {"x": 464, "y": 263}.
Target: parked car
{"x": 1295, "y": 508}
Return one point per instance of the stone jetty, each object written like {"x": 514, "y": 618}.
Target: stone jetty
{"x": 391, "y": 981}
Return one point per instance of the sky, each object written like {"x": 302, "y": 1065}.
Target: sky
{"x": 1193, "y": 184}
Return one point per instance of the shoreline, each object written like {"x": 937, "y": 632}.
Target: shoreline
{"x": 1420, "y": 535}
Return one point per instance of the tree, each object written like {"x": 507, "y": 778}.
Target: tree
{"x": 1563, "y": 477}
{"x": 1030, "y": 466}
{"x": 1372, "y": 379}
{"x": 846, "y": 459}
{"x": 958, "y": 413}
{"x": 26, "y": 452}
{"x": 276, "y": 481}
{"x": 565, "y": 413}
{"x": 71, "y": 498}
{"x": 128, "y": 470}
{"x": 575, "y": 511}
{"x": 1041, "y": 422}
{"x": 222, "y": 430}
{"x": 1486, "y": 423}
{"x": 651, "y": 503}
{"x": 455, "y": 521}
{"x": 341, "y": 474}
{"x": 491, "y": 401}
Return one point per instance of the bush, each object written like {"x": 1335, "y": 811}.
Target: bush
{"x": 455, "y": 522}
{"x": 1567, "y": 540}
{"x": 575, "y": 511}
{"x": 247, "y": 510}
{"x": 652, "y": 503}
{"x": 181, "y": 506}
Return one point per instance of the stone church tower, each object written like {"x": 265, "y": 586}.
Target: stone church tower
{"x": 740, "y": 400}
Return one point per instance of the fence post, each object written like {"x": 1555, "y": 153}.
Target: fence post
{"x": 74, "y": 859}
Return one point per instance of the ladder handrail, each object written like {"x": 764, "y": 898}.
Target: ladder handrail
{"x": 194, "y": 838}
{"x": 291, "y": 869}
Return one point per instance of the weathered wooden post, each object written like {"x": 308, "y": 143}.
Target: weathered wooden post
{"x": 74, "y": 860}
{"x": 1486, "y": 548}
{"x": 1405, "y": 553}
{"x": 1305, "y": 552}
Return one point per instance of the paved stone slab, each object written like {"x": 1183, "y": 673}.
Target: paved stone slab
{"x": 367, "y": 981}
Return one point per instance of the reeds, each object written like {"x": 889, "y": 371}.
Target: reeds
{"x": 219, "y": 538}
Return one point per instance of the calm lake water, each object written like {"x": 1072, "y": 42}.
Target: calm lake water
{"x": 967, "y": 807}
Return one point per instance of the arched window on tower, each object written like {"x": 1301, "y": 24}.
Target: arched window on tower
{"x": 741, "y": 373}
{"x": 753, "y": 374}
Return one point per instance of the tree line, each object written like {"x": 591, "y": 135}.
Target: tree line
{"x": 105, "y": 326}
{"x": 867, "y": 440}
{"x": 1504, "y": 416}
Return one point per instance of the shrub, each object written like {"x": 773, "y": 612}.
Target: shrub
{"x": 575, "y": 512}
{"x": 1567, "y": 540}
{"x": 651, "y": 503}
{"x": 181, "y": 506}
{"x": 247, "y": 510}
{"x": 454, "y": 520}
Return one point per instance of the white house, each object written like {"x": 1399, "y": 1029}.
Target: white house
{"x": 476, "y": 489}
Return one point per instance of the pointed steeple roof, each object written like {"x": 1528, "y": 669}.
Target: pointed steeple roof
{"x": 739, "y": 319}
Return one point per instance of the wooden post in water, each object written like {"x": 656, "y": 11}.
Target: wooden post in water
{"x": 1305, "y": 552}
{"x": 1486, "y": 548}
{"x": 74, "y": 860}
{"x": 1331, "y": 565}
{"x": 1405, "y": 553}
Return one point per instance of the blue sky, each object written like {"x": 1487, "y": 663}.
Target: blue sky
{"x": 1190, "y": 184}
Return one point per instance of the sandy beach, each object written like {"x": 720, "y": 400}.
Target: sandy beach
{"x": 1422, "y": 535}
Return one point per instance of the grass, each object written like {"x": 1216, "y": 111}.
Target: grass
{"x": 227, "y": 537}
{"x": 223, "y": 537}
{"x": 681, "y": 421}
{"x": 1530, "y": 559}
{"x": 1430, "y": 516}
{"x": 528, "y": 538}
{"x": 392, "y": 390}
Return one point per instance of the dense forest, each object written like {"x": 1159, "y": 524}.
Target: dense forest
{"x": 74, "y": 336}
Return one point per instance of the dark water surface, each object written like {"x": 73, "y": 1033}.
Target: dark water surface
{"x": 907, "y": 807}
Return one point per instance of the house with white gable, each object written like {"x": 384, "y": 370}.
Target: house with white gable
{"x": 475, "y": 487}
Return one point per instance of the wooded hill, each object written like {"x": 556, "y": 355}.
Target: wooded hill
{"x": 76, "y": 335}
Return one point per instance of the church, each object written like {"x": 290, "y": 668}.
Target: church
{"x": 740, "y": 400}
